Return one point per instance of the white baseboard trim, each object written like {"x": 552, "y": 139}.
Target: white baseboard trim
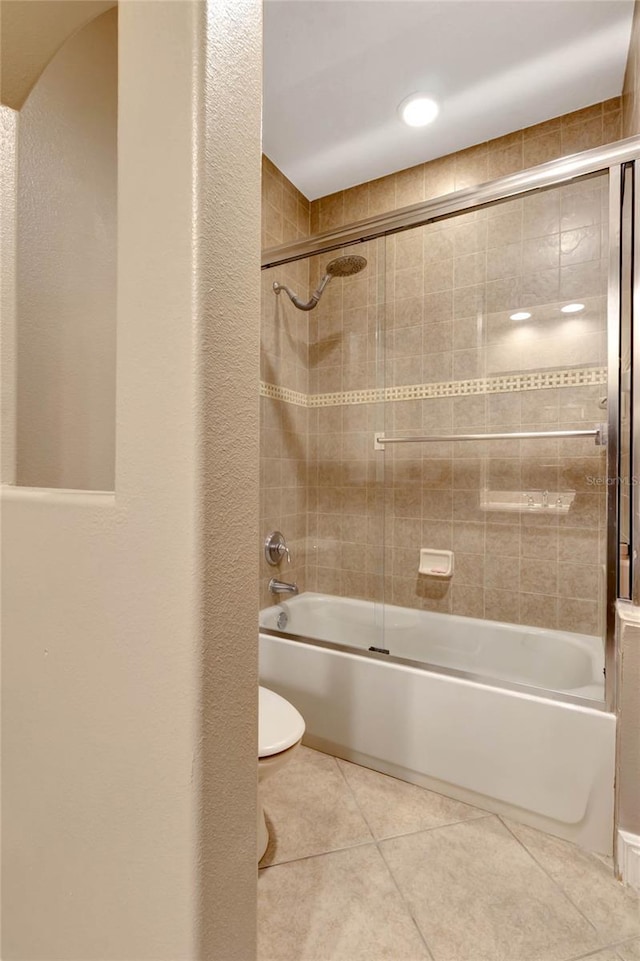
{"x": 629, "y": 858}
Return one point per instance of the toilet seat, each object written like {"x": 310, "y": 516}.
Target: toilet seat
{"x": 280, "y": 724}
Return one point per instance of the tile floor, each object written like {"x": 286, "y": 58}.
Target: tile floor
{"x": 363, "y": 867}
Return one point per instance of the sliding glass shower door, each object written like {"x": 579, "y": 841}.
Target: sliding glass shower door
{"x": 447, "y": 432}
{"x": 496, "y": 323}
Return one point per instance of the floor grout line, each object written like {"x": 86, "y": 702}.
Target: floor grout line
{"x": 400, "y": 780}
{"x": 594, "y": 954}
{"x": 406, "y": 903}
{"x": 384, "y": 861}
{"x": 318, "y": 854}
{"x": 551, "y": 878}
{"x": 374, "y": 839}
{"x": 346, "y": 847}
{"x": 436, "y": 827}
{"x": 605, "y": 947}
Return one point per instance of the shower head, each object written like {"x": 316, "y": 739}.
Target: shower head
{"x": 346, "y": 266}
{"x": 340, "y": 267}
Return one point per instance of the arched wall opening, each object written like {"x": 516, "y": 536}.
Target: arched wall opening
{"x": 64, "y": 331}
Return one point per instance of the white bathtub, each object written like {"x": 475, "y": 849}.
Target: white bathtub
{"x": 552, "y": 660}
{"x": 451, "y": 725}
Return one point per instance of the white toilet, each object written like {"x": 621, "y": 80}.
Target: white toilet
{"x": 280, "y": 731}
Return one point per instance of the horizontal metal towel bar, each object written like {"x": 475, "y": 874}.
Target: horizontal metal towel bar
{"x": 599, "y": 434}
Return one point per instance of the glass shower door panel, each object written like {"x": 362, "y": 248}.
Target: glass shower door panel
{"x": 346, "y": 527}
{"x": 334, "y": 350}
{"x": 496, "y": 323}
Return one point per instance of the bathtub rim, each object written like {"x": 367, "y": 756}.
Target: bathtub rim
{"x": 515, "y": 687}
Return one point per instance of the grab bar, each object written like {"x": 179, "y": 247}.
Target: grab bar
{"x": 598, "y": 433}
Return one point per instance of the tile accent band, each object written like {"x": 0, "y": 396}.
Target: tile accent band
{"x": 539, "y": 380}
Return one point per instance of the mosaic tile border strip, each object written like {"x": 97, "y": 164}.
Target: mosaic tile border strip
{"x": 542, "y": 380}
{"x": 283, "y": 393}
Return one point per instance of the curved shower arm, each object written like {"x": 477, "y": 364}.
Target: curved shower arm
{"x": 315, "y": 296}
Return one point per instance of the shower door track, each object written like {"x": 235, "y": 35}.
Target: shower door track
{"x": 514, "y": 686}
{"x": 549, "y": 174}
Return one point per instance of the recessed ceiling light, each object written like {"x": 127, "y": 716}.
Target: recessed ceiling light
{"x": 418, "y": 110}
{"x": 572, "y": 308}
{"x": 520, "y": 315}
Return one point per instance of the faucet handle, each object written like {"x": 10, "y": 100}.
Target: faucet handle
{"x": 275, "y": 548}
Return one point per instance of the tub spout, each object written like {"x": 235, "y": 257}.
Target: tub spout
{"x": 281, "y": 587}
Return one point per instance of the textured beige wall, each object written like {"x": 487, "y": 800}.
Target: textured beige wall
{"x": 8, "y": 205}
{"x": 129, "y": 688}
{"x": 66, "y": 273}
{"x": 631, "y": 86}
{"x": 230, "y": 80}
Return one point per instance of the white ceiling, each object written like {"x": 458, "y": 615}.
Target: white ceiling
{"x": 336, "y": 70}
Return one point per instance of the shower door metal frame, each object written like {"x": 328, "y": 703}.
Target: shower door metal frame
{"x": 634, "y": 546}
{"x": 611, "y": 159}
{"x": 549, "y": 174}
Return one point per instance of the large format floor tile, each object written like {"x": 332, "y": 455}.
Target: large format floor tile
{"x": 362, "y": 863}
{"x": 338, "y": 907}
{"x": 477, "y": 895}
{"x": 310, "y": 809}
{"x": 630, "y": 951}
{"x": 394, "y": 807}
{"x": 587, "y": 881}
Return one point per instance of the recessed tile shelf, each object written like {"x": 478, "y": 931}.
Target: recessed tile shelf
{"x": 536, "y": 501}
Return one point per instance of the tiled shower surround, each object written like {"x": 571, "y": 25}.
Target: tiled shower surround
{"x": 421, "y": 342}
{"x": 283, "y": 362}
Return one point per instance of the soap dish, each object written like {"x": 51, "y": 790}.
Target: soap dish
{"x": 436, "y": 563}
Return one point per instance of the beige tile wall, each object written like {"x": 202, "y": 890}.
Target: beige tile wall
{"x": 450, "y": 290}
{"x": 437, "y": 282}
{"x": 344, "y": 328}
{"x": 591, "y": 127}
{"x": 346, "y": 353}
{"x": 522, "y": 567}
{"x": 283, "y": 361}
